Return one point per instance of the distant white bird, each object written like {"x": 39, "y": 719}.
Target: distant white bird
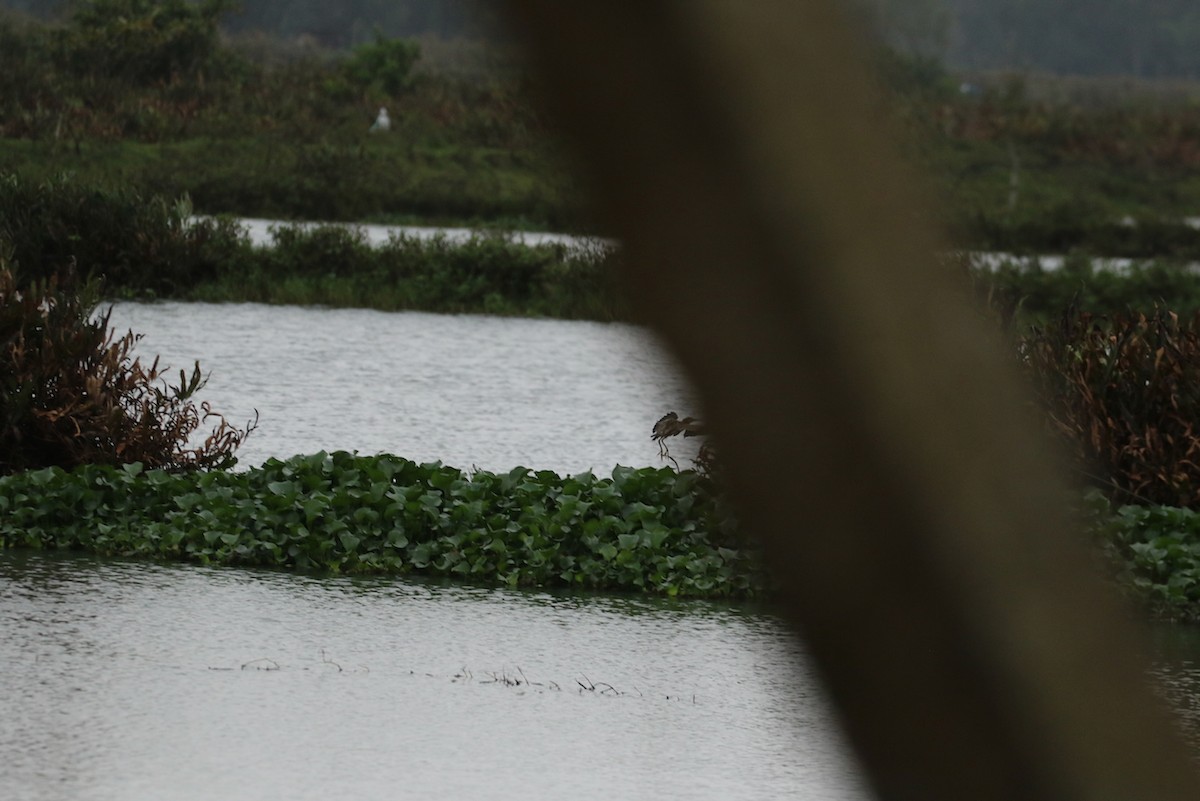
{"x": 382, "y": 123}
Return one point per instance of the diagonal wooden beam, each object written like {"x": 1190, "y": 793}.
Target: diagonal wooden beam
{"x": 874, "y": 434}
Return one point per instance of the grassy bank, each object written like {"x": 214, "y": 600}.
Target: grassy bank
{"x": 346, "y": 176}
{"x": 650, "y": 530}
{"x": 334, "y": 266}
{"x": 1024, "y": 294}
{"x": 151, "y": 248}
{"x": 155, "y": 100}
{"x": 255, "y": 127}
{"x": 1036, "y": 164}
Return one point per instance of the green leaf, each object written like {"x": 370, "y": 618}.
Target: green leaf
{"x": 420, "y": 555}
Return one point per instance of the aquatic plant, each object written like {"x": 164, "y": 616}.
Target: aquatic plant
{"x": 1153, "y": 553}
{"x": 487, "y": 274}
{"x": 647, "y": 529}
{"x": 71, "y": 393}
{"x": 1123, "y": 394}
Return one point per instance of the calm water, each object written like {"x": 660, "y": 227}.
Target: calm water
{"x": 467, "y": 390}
{"x": 134, "y": 681}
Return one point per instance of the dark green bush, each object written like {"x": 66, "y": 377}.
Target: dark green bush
{"x": 148, "y": 247}
{"x": 135, "y": 245}
{"x": 72, "y": 394}
{"x": 384, "y": 64}
{"x": 1023, "y": 295}
{"x": 141, "y": 41}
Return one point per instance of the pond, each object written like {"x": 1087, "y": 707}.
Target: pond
{"x": 131, "y": 681}
{"x": 137, "y": 681}
{"x": 144, "y": 681}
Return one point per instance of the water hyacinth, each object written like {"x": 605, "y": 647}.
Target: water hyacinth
{"x": 645, "y": 529}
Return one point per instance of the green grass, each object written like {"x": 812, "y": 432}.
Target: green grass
{"x": 146, "y": 248}
{"x": 268, "y": 131}
{"x": 352, "y": 177}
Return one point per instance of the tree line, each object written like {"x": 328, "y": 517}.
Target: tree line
{"x": 1143, "y": 38}
{"x": 336, "y": 25}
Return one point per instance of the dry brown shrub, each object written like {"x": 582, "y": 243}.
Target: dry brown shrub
{"x": 1124, "y": 394}
{"x": 71, "y": 393}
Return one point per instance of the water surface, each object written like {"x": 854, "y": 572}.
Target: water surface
{"x": 136, "y": 681}
{"x": 129, "y": 681}
{"x": 468, "y": 390}
{"x": 261, "y": 233}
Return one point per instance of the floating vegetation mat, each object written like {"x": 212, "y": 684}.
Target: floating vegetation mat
{"x": 645, "y": 529}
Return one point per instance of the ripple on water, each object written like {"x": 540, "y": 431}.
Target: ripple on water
{"x": 467, "y": 390}
{"x": 134, "y": 680}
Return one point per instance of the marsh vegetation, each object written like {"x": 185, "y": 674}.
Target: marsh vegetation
{"x": 107, "y": 154}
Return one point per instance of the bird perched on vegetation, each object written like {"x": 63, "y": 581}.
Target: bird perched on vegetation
{"x": 669, "y": 425}
{"x": 382, "y": 122}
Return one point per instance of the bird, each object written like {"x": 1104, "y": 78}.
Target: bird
{"x": 382, "y": 122}
{"x": 669, "y": 425}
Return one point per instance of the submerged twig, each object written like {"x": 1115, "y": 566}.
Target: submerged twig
{"x": 326, "y": 660}
{"x": 255, "y": 663}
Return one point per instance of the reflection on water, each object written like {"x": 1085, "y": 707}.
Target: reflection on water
{"x": 467, "y": 390}
{"x": 261, "y": 232}
{"x": 132, "y": 681}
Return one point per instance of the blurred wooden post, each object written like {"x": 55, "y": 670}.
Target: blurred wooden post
{"x": 874, "y": 433}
